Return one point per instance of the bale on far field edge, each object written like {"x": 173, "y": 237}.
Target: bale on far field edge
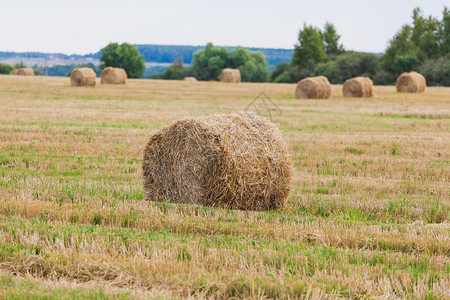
{"x": 411, "y": 82}
{"x": 230, "y": 75}
{"x": 112, "y": 75}
{"x": 358, "y": 87}
{"x": 83, "y": 77}
{"x": 22, "y": 72}
{"x": 313, "y": 88}
{"x": 236, "y": 161}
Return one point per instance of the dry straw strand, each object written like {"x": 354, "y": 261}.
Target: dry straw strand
{"x": 411, "y": 82}
{"x": 230, "y": 75}
{"x": 236, "y": 161}
{"x": 112, "y": 75}
{"x": 358, "y": 87}
{"x": 313, "y": 88}
{"x": 83, "y": 77}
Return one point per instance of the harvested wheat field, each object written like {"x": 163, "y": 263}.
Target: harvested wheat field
{"x": 368, "y": 215}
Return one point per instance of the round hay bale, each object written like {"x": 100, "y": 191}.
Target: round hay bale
{"x": 358, "y": 87}
{"x": 313, "y": 88}
{"x": 236, "y": 161}
{"x": 83, "y": 77}
{"x": 411, "y": 82}
{"x": 25, "y": 72}
{"x": 112, "y": 75}
{"x": 230, "y": 75}
{"x": 13, "y": 72}
{"x": 190, "y": 79}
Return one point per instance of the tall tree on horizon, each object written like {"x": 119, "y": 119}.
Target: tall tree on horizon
{"x": 331, "y": 40}
{"x": 309, "y": 50}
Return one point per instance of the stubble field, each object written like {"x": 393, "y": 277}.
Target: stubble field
{"x": 368, "y": 215}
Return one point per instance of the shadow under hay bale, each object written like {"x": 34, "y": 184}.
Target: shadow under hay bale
{"x": 83, "y": 77}
{"x": 313, "y": 88}
{"x": 236, "y": 161}
{"x": 411, "y": 82}
{"x": 112, "y": 75}
{"x": 358, "y": 87}
{"x": 230, "y": 75}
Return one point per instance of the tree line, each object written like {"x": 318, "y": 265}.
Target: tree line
{"x": 210, "y": 61}
{"x": 422, "y": 46}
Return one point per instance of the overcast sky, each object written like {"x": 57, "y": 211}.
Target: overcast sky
{"x": 86, "y": 26}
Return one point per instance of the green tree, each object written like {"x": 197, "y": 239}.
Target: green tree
{"x": 401, "y": 44}
{"x": 292, "y": 74}
{"x": 348, "y": 65}
{"x": 427, "y": 38}
{"x": 330, "y": 70}
{"x": 279, "y": 69}
{"x": 175, "y": 71}
{"x": 405, "y": 63}
{"x": 209, "y": 62}
{"x": 5, "y": 69}
{"x": 310, "y": 49}
{"x": 383, "y": 77}
{"x": 20, "y": 65}
{"x": 330, "y": 40}
{"x": 444, "y": 33}
{"x": 123, "y": 56}
{"x": 425, "y": 34}
{"x": 252, "y": 65}
{"x": 239, "y": 57}
{"x": 436, "y": 71}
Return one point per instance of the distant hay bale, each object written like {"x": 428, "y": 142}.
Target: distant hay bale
{"x": 236, "y": 161}
{"x": 190, "y": 79}
{"x": 313, "y": 88}
{"x": 112, "y": 75}
{"x": 358, "y": 87}
{"x": 22, "y": 72}
{"x": 230, "y": 75}
{"x": 411, "y": 82}
{"x": 82, "y": 77}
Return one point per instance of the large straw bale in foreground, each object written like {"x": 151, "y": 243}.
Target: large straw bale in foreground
{"x": 411, "y": 82}
{"x": 190, "y": 79}
{"x": 358, "y": 87}
{"x": 112, "y": 75}
{"x": 313, "y": 88}
{"x": 230, "y": 75}
{"x": 22, "y": 72}
{"x": 83, "y": 77}
{"x": 236, "y": 161}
